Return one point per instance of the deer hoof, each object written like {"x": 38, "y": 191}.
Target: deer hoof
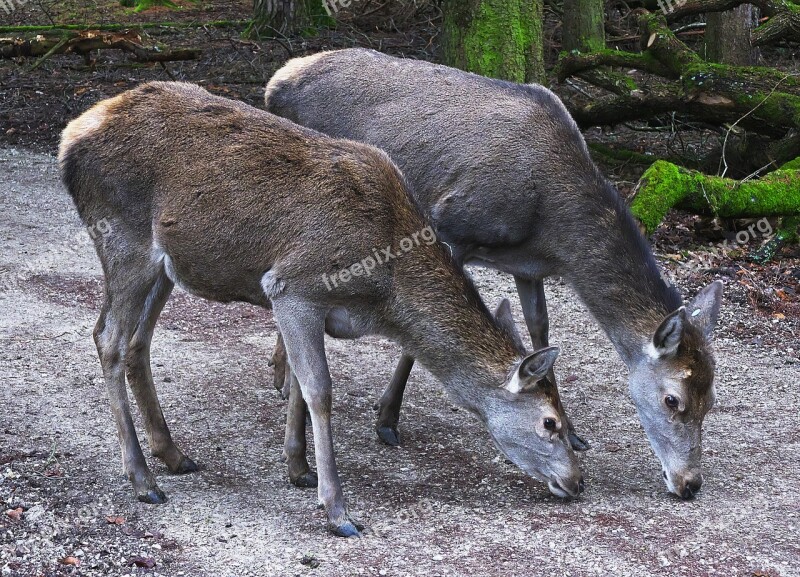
{"x": 577, "y": 443}
{"x": 389, "y": 435}
{"x": 186, "y": 465}
{"x": 348, "y": 528}
{"x": 154, "y": 496}
{"x": 306, "y": 480}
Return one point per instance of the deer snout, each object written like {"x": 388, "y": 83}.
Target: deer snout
{"x": 565, "y": 488}
{"x": 686, "y": 485}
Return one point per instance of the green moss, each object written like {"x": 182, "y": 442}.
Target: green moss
{"x": 621, "y": 154}
{"x": 665, "y": 186}
{"x": 659, "y": 191}
{"x": 499, "y": 38}
{"x": 792, "y": 165}
{"x": 788, "y": 231}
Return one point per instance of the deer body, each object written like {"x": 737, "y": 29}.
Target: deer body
{"x": 235, "y": 204}
{"x": 504, "y": 174}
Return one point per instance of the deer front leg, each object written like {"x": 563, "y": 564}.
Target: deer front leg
{"x": 534, "y": 309}
{"x": 388, "y": 406}
{"x": 303, "y": 328}
{"x": 294, "y": 444}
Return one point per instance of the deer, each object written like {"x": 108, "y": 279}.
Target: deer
{"x": 504, "y": 174}
{"x": 234, "y": 204}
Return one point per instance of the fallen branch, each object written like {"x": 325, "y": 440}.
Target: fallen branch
{"x": 665, "y": 186}
{"x": 84, "y": 42}
{"x": 763, "y": 100}
{"x": 114, "y": 27}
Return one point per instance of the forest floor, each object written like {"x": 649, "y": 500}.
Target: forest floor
{"x": 442, "y": 504}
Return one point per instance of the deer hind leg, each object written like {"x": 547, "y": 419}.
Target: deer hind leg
{"x": 303, "y": 328}
{"x": 534, "y": 309}
{"x": 294, "y": 443}
{"x": 140, "y": 379}
{"x": 129, "y": 280}
{"x": 388, "y": 406}
{"x": 280, "y": 365}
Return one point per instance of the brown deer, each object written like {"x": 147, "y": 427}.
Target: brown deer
{"x": 505, "y": 175}
{"x": 236, "y": 204}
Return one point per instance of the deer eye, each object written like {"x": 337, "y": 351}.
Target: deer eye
{"x": 550, "y": 424}
{"x": 672, "y": 402}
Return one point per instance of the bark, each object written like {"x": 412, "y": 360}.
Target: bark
{"x": 85, "y": 41}
{"x": 289, "y": 17}
{"x": 496, "y": 38}
{"x": 727, "y": 38}
{"x": 583, "y": 25}
{"x": 665, "y": 186}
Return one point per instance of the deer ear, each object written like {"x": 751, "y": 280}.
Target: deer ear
{"x": 668, "y": 336}
{"x": 505, "y": 319}
{"x": 703, "y": 311}
{"x": 532, "y": 369}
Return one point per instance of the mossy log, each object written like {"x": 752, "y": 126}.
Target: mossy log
{"x": 83, "y": 42}
{"x": 665, "y": 186}
{"x": 762, "y": 100}
{"x": 58, "y": 29}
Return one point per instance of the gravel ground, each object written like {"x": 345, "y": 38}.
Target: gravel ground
{"x": 444, "y": 503}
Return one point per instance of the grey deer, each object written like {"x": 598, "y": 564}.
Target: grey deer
{"x": 504, "y": 174}
{"x": 235, "y": 204}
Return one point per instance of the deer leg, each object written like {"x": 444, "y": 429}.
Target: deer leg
{"x": 125, "y": 298}
{"x": 140, "y": 379}
{"x": 303, "y": 329}
{"x": 294, "y": 443}
{"x": 388, "y": 406}
{"x": 534, "y": 309}
{"x": 281, "y": 371}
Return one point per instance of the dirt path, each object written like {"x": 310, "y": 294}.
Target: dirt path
{"x": 442, "y": 504}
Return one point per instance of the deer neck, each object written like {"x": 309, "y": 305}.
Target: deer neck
{"x": 437, "y": 316}
{"x": 617, "y": 277}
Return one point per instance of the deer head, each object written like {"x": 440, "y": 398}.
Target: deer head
{"x": 524, "y": 418}
{"x": 672, "y": 386}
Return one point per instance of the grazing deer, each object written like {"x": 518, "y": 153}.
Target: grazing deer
{"x": 505, "y": 175}
{"x": 236, "y": 204}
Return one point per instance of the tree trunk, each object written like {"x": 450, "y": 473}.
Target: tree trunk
{"x": 728, "y": 36}
{"x": 584, "y": 25}
{"x": 665, "y": 186}
{"x": 292, "y": 16}
{"x": 496, "y": 38}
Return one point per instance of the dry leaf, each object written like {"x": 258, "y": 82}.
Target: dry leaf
{"x": 15, "y": 514}
{"x": 146, "y": 562}
{"x": 74, "y": 561}
{"x": 113, "y": 520}
{"x": 779, "y": 316}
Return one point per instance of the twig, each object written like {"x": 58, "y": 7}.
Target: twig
{"x": 724, "y": 160}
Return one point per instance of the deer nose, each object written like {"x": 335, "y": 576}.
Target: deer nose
{"x": 692, "y": 485}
